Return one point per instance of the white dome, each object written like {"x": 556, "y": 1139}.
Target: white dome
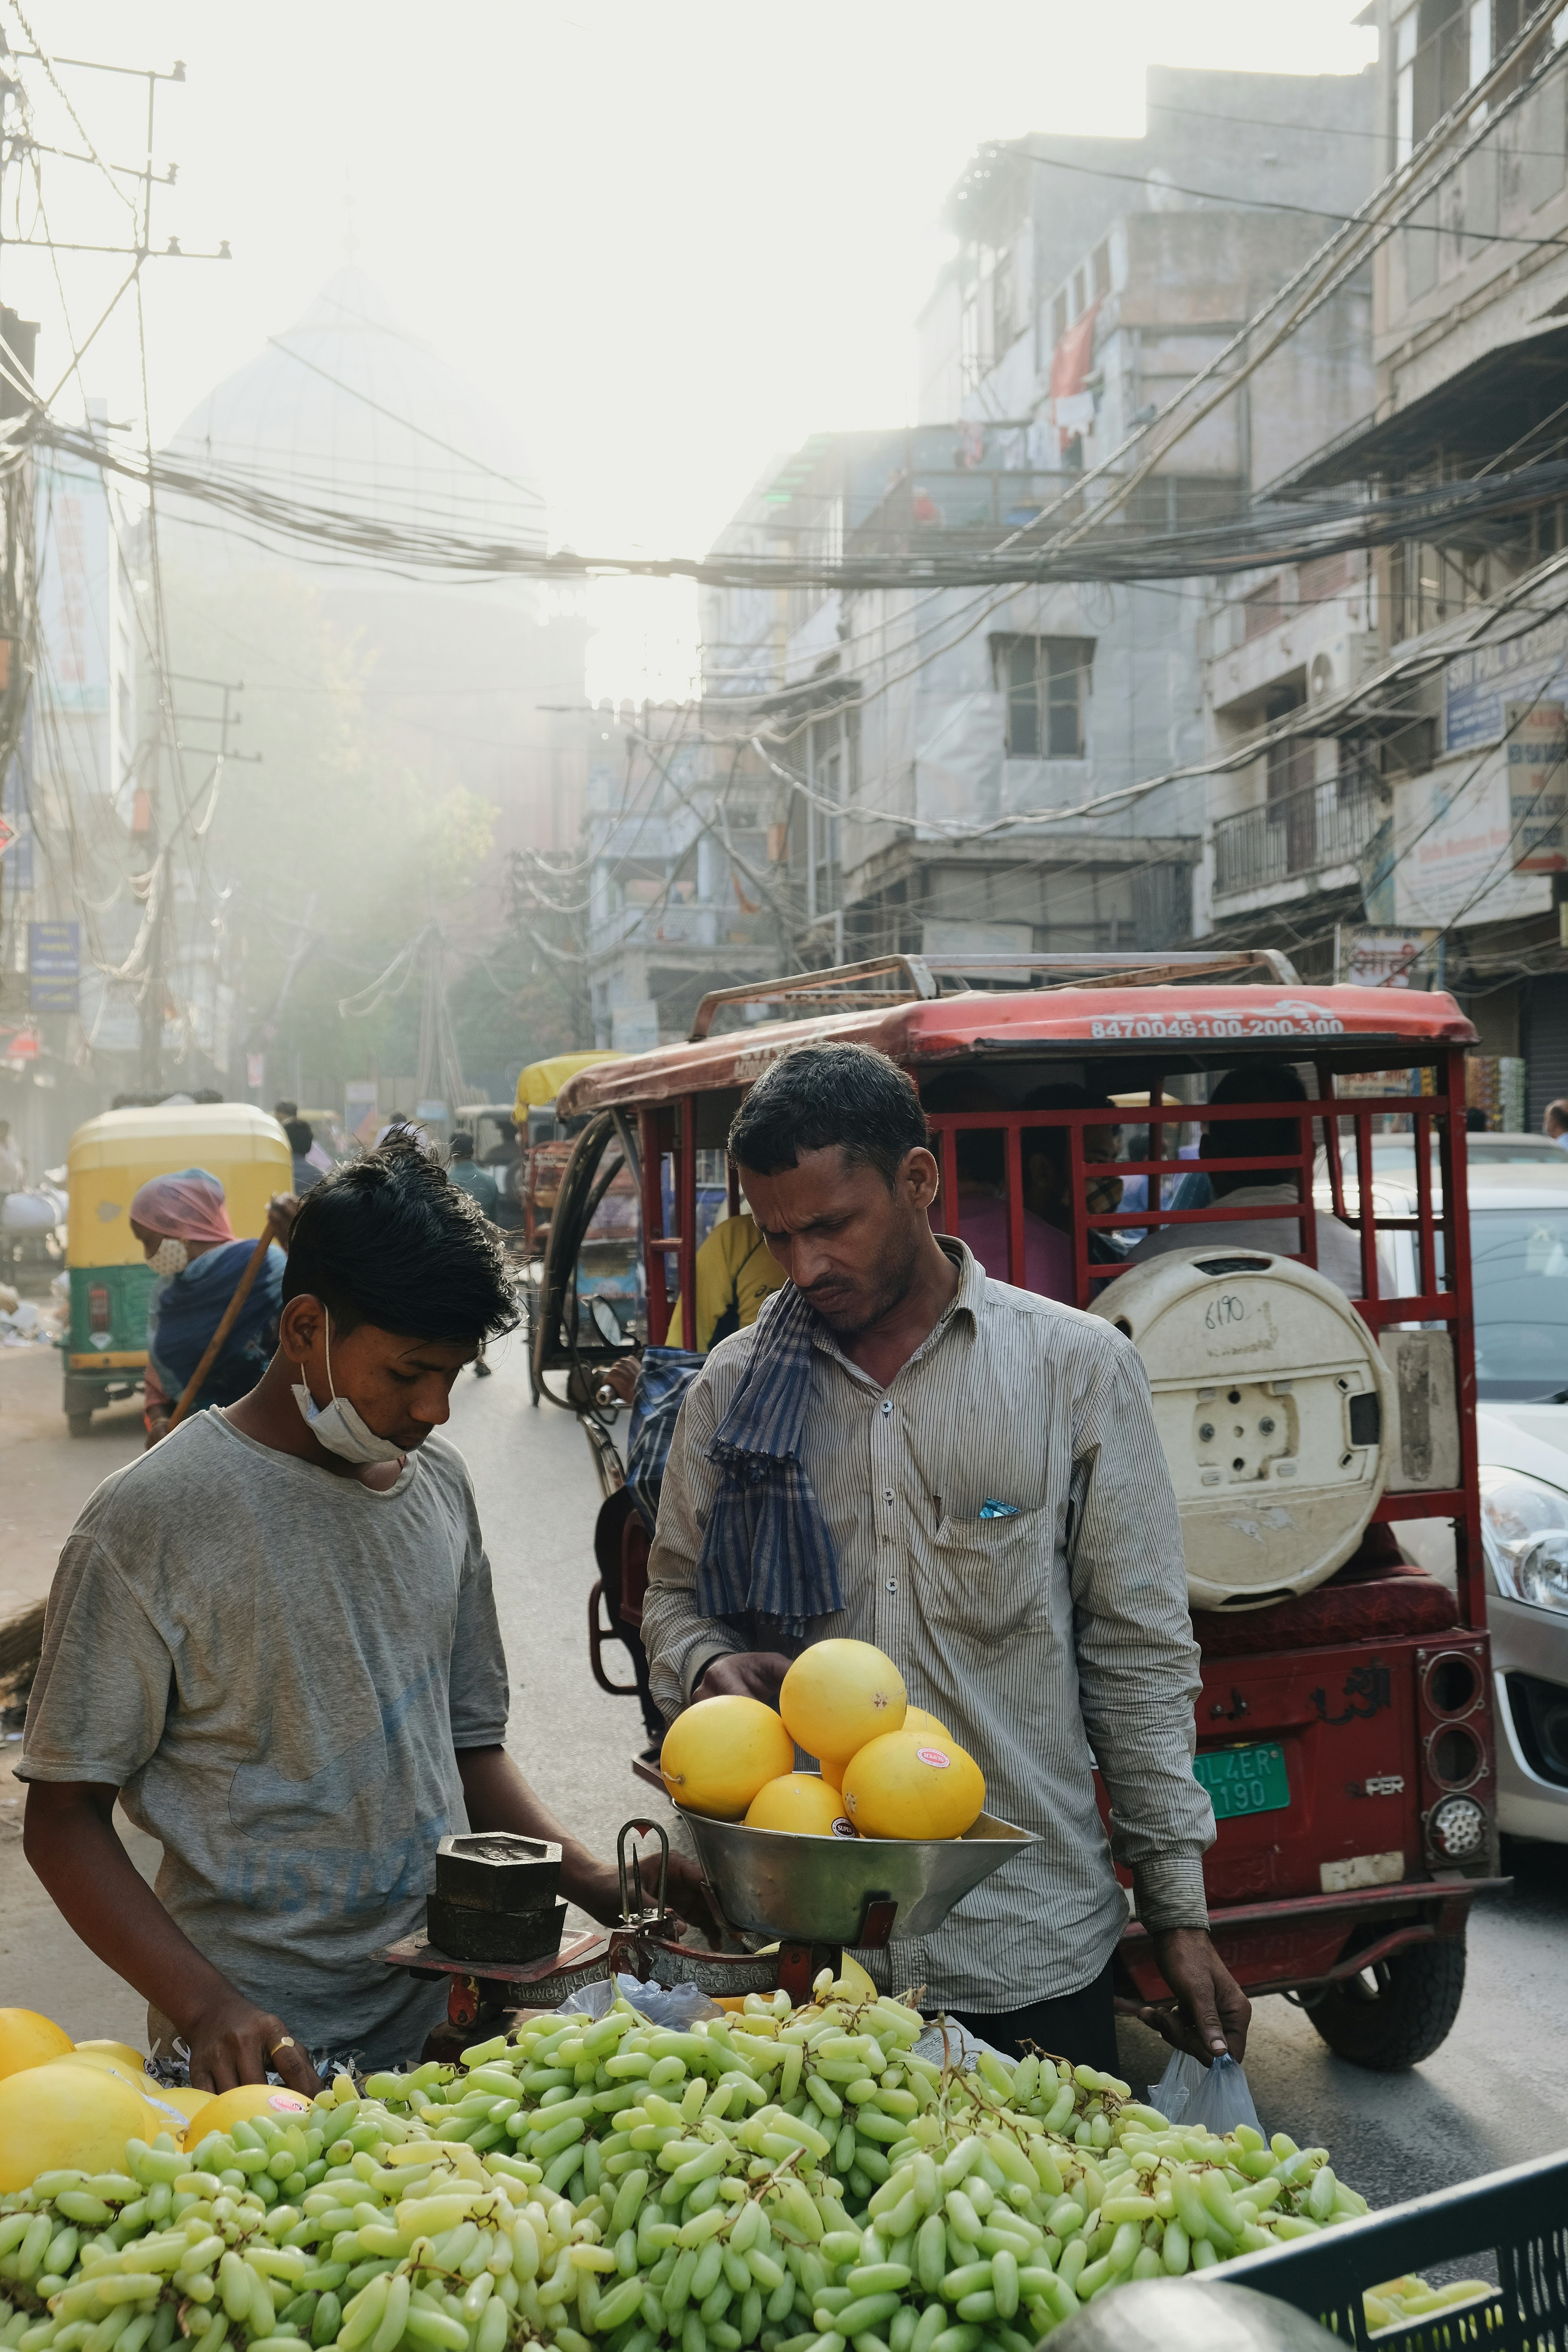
{"x": 350, "y": 410}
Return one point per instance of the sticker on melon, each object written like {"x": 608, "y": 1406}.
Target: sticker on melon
{"x": 238, "y": 2106}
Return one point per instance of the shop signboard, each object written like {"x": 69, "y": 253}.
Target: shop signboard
{"x": 1478, "y": 684}
{"x": 1537, "y": 754}
{"x": 54, "y": 967}
{"x": 1386, "y": 959}
{"x": 1451, "y": 849}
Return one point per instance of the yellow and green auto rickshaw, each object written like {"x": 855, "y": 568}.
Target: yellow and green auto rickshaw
{"x": 545, "y": 1144}
{"x": 110, "y": 1157}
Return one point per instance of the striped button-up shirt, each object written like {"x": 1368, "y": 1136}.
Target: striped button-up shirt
{"x": 1046, "y": 1640}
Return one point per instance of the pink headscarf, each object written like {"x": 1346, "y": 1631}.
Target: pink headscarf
{"x": 188, "y": 1207}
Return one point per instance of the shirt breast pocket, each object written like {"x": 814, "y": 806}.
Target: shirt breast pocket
{"x": 991, "y": 1578}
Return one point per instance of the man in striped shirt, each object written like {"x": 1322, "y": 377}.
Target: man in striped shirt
{"x": 1048, "y": 1639}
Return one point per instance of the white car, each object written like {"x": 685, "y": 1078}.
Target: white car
{"x": 1519, "y": 1242}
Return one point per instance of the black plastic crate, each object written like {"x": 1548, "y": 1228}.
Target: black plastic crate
{"x": 1518, "y": 2217}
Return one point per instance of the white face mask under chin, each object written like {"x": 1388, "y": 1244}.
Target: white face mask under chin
{"x": 339, "y": 1427}
{"x": 170, "y": 1257}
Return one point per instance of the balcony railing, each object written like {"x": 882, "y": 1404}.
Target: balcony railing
{"x": 1298, "y": 833}
{"x": 969, "y": 509}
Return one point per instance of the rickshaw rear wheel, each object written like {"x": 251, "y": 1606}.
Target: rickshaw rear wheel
{"x": 80, "y": 1424}
{"x": 1398, "y": 2010}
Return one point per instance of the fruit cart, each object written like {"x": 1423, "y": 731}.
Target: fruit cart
{"x": 1344, "y": 1730}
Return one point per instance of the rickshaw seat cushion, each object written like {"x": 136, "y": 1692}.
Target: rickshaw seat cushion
{"x": 1349, "y": 1607}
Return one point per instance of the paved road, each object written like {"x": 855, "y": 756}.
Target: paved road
{"x": 1497, "y": 2091}
{"x": 46, "y": 1475}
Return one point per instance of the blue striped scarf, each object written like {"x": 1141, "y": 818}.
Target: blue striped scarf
{"x": 768, "y": 1564}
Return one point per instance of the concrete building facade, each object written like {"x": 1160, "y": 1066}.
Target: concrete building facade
{"x": 1431, "y": 812}
{"x": 944, "y": 752}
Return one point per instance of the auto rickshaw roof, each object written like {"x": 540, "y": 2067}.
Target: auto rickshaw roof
{"x": 542, "y": 1082}
{"x": 182, "y": 1132}
{"x": 1172, "y": 1025}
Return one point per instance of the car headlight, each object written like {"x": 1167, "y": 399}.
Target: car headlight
{"x": 1524, "y": 1525}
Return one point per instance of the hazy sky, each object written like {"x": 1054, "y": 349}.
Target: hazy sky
{"x": 670, "y": 240}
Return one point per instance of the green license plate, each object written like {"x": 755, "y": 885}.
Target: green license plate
{"x": 1245, "y": 1780}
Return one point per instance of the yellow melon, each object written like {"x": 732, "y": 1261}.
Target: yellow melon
{"x": 118, "y": 2050}
{"x": 186, "y": 2103}
{"x": 247, "y": 2099}
{"x": 905, "y": 1786}
{"x": 802, "y": 1802}
{"x": 26, "y": 2039}
{"x": 130, "y": 2069}
{"x": 170, "y": 2107}
{"x": 719, "y": 1752}
{"x": 164, "y": 2111}
{"x": 840, "y": 1695}
{"x": 918, "y": 1719}
{"x": 60, "y": 2116}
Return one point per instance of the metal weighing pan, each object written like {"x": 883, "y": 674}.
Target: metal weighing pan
{"x": 853, "y": 1891}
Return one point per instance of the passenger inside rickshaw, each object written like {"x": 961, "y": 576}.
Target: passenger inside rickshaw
{"x": 1338, "y": 1249}
{"x": 982, "y": 1192}
{"x": 735, "y": 1271}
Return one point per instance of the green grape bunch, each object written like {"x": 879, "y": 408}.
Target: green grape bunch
{"x": 796, "y": 2180}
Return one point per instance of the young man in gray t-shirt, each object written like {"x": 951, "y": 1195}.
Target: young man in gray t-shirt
{"x": 274, "y": 1639}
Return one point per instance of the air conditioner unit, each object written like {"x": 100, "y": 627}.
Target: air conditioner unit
{"x": 1339, "y": 666}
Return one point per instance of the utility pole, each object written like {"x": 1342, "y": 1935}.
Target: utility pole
{"x": 158, "y": 833}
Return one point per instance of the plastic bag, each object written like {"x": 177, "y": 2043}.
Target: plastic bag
{"x": 948, "y": 2043}
{"x": 674, "y": 2005}
{"x": 1214, "y": 2097}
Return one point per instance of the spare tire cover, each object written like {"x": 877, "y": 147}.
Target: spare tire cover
{"x": 1275, "y": 1411}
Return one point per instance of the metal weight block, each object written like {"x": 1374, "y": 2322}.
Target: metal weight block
{"x": 463, "y": 1932}
{"x": 497, "y": 1870}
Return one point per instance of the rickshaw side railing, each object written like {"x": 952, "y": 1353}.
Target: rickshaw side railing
{"x": 669, "y": 1129}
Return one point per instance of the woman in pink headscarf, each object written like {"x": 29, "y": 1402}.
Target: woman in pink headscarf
{"x": 182, "y": 1222}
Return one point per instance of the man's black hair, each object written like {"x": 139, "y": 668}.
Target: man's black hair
{"x": 1254, "y": 1139}
{"x": 388, "y": 1240}
{"x": 300, "y": 1135}
{"x": 462, "y": 1146}
{"x": 817, "y": 1095}
{"x": 284, "y": 1110}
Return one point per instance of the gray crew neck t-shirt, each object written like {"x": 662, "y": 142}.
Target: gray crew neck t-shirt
{"x": 275, "y": 1665}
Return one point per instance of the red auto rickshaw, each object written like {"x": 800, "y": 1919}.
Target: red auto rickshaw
{"x": 1344, "y": 1730}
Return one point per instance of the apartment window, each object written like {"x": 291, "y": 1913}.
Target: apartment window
{"x": 1058, "y": 318}
{"x": 1405, "y": 33}
{"x": 832, "y": 750}
{"x": 1439, "y": 48}
{"x": 1047, "y": 683}
{"x": 1100, "y": 263}
{"x": 1002, "y": 302}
